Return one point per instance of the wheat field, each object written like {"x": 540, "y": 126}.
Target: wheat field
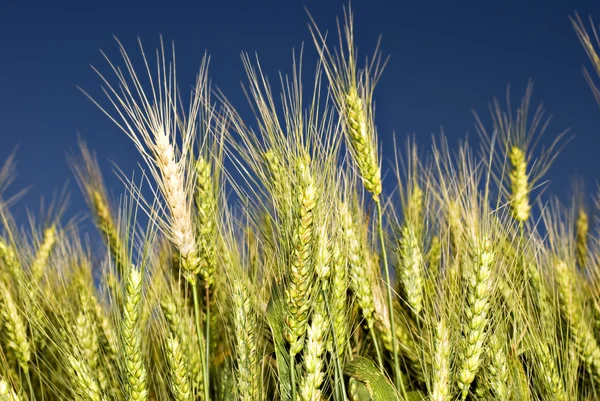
{"x": 276, "y": 261}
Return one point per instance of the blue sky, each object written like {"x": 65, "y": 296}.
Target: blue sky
{"x": 446, "y": 58}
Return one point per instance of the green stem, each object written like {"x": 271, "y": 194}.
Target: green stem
{"x": 200, "y": 337}
{"x": 377, "y": 350}
{"x": 397, "y": 375}
{"x": 293, "y": 376}
{"x": 30, "y": 385}
{"x": 338, "y": 368}
{"x": 521, "y": 255}
{"x": 207, "y": 335}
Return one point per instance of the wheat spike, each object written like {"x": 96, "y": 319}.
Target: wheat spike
{"x": 6, "y": 392}
{"x": 441, "y": 363}
{"x": 361, "y": 141}
{"x": 498, "y": 367}
{"x": 412, "y": 268}
{"x": 108, "y": 228}
{"x": 519, "y": 185}
{"x": 581, "y": 240}
{"x": 301, "y": 270}
{"x": 43, "y": 253}
{"x": 310, "y": 385}
{"x": 360, "y": 280}
{"x": 580, "y": 327}
{"x": 131, "y": 338}
{"x": 339, "y": 289}
{"x": 179, "y": 380}
{"x": 206, "y": 209}
{"x": 84, "y": 384}
{"x": 15, "y": 328}
{"x": 548, "y": 372}
{"x": 246, "y": 355}
{"x": 479, "y": 290}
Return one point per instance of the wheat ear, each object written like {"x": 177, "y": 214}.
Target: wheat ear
{"x": 85, "y": 385}
{"x": 498, "y": 367}
{"x": 11, "y": 262}
{"x": 244, "y": 324}
{"x": 411, "y": 268}
{"x": 43, "y": 253}
{"x": 131, "y": 337}
{"x": 179, "y": 375}
{"x": 108, "y": 337}
{"x": 339, "y": 306}
{"x": 6, "y": 391}
{"x": 360, "y": 279}
{"x": 581, "y": 240}
{"x": 206, "y": 209}
{"x": 441, "y": 363}
{"x": 548, "y": 372}
{"x": 15, "y": 328}
{"x": 362, "y": 142}
{"x": 310, "y": 384}
{"x": 86, "y": 338}
{"x": 519, "y": 185}
{"x": 108, "y": 228}
{"x": 579, "y": 325}
{"x": 178, "y": 325}
{"x": 479, "y": 289}
{"x": 301, "y": 270}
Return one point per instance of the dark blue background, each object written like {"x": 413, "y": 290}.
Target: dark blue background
{"x": 446, "y": 59}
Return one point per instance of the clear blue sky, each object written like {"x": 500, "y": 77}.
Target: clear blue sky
{"x": 446, "y": 59}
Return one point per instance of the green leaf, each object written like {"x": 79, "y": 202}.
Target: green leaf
{"x": 378, "y": 386}
{"x": 358, "y": 391}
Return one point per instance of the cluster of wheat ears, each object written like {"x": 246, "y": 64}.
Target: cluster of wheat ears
{"x": 313, "y": 283}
